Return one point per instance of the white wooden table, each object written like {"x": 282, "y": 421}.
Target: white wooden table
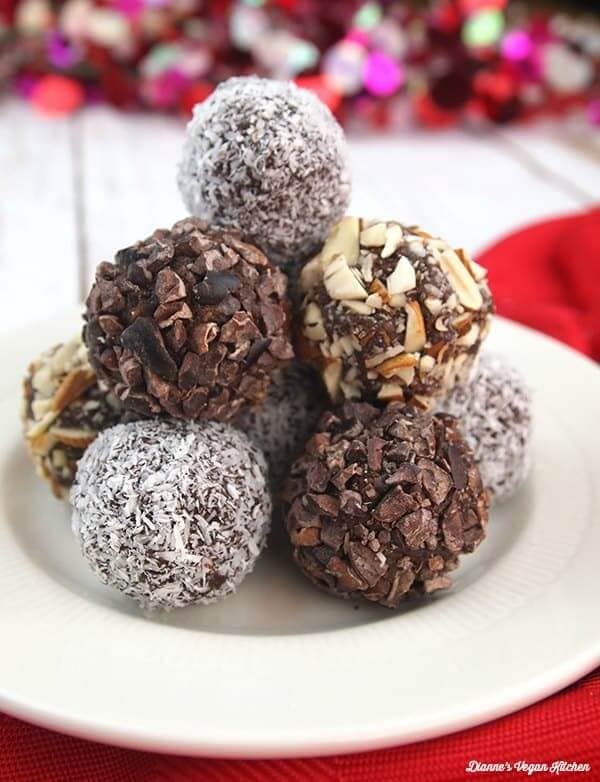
{"x": 73, "y": 191}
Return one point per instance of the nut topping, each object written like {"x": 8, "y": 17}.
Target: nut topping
{"x": 341, "y": 282}
{"x": 374, "y": 300}
{"x": 63, "y": 414}
{"x": 403, "y": 278}
{"x": 374, "y": 235}
{"x": 360, "y": 307}
{"x": 343, "y": 240}
{"x": 381, "y": 357}
{"x": 74, "y": 384}
{"x": 391, "y": 392}
{"x": 470, "y": 337}
{"x": 461, "y": 280}
{"x": 75, "y": 438}
{"x": 409, "y": 294}
{"x": 433, "y": 305}
{"x": 393, "y": 239}
{"x": 477, "y": 271}
{"x": 416, "y": 336}
{"x": 393, "y": 366}
{"x": 426, "y": 364}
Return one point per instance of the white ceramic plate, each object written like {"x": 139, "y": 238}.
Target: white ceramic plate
{"x": 280, "y": 669}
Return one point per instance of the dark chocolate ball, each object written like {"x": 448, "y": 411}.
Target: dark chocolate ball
{"x": 284, "y": 422}
{"x": 64, "y": 408}
{"x": 382, "y": 503}
{"x": 191, "y": 322}
{"x": 391, "y": 313}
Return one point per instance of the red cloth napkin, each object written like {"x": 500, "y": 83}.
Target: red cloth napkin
{"x": 548, "y": 277}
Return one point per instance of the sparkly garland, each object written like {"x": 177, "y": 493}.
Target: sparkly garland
{"x": 376, "y": 64}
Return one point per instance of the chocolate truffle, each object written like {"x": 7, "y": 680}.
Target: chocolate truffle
{"x": 382, "y": 503}
{"x": 171, "y": 513}
{"x": 64, "y": 408}
{"x": 391, "y": 313}
{"x": 494, "y": 412}
{"x": 282, "y": 425}
{"x": 191, "y": 322}
{"x": 269, "y": 159}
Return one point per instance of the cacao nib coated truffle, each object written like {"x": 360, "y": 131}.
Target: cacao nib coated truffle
{"x": 381, "y": 504}
{"x": 269, "y": 159}
{"x": 282, "y": 425}
{"x": 390, "y": 313}
{"x": 191, "y": 322}
{"x": 64, "y": 408}
{"x": 494, "y": 412}
{"x": 171, "y": 513}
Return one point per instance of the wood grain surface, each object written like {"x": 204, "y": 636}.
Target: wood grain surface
{"x": 74, "y": 190}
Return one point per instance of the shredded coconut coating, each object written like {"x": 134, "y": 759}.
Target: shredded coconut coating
{"x": 269, "y": 159}
{"x": 285, "y": 421}
{"x": 171, "y": 513}
{"x": 494, "y": 409}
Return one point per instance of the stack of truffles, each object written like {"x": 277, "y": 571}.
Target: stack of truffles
{"x": 268, "y": 358}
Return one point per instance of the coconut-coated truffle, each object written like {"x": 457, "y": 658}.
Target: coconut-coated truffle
{"x": 382, "y": 503}
{"x": 269, "y": 159}
{"x": 171, "y": 513}
{"x": 391, "y": 313}
{"x": 64, "y": 407}
{"x": 191, "y": 322}
{"x": 282, "y": 425}
{"x": 494, "y": 411}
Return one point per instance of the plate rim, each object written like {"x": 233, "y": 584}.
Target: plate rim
{"x": 141, "y": 740}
